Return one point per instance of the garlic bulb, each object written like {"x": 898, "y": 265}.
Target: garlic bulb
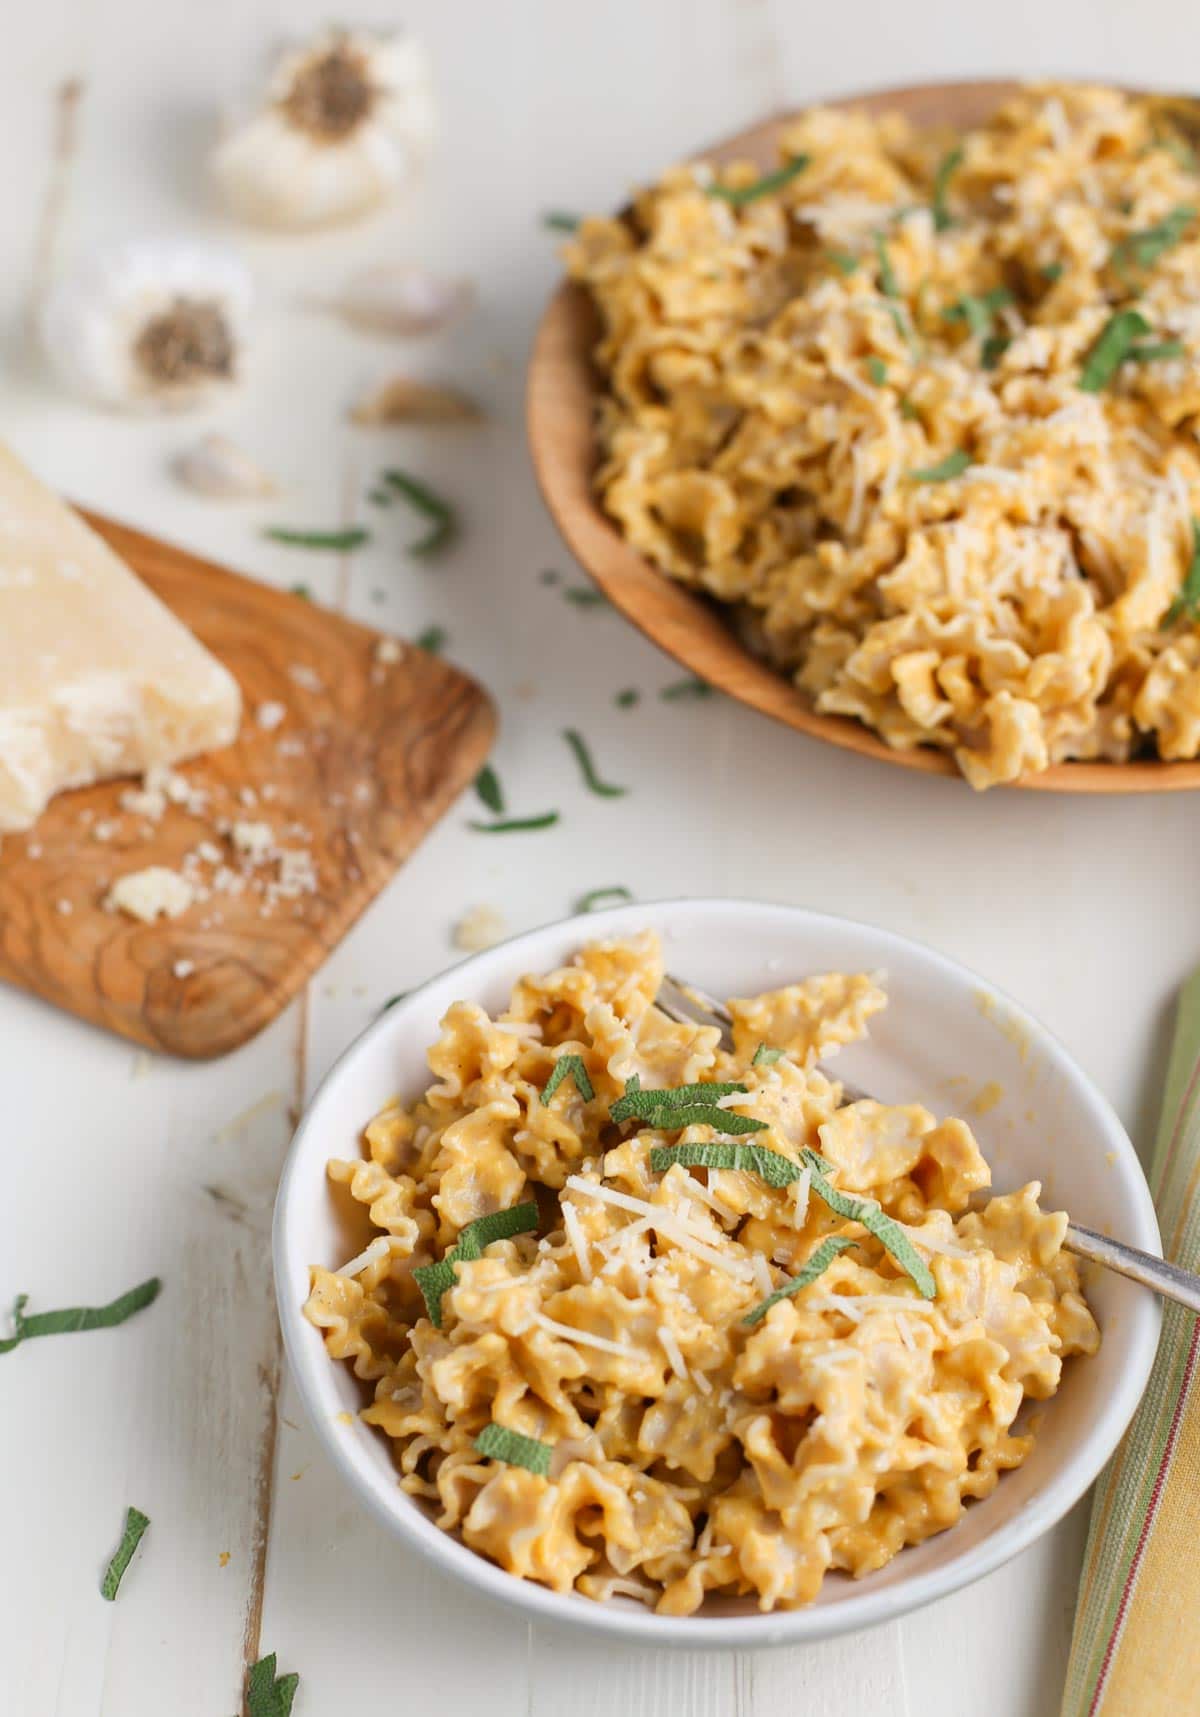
{"x": 154, "y": 324}
{"x": 401, "y": 299}
{"x": 217, "y": 467}
{"x": 345, "y": 120}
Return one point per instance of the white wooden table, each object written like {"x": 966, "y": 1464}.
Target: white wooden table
{"x": 116, "y": 1166}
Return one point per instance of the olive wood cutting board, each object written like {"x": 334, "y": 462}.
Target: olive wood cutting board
{"x": 369, "y": 754}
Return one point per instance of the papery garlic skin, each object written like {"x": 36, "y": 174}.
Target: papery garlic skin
{"x": 219, "y": 469}
{"x": 345, "y": 120}
{"x": 150, "y": 324}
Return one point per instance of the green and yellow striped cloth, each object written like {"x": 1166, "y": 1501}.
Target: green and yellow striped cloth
{"x": 1136, "y": 1646}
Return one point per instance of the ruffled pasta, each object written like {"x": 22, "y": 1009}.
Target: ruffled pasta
{"x": 692, "y": 1453}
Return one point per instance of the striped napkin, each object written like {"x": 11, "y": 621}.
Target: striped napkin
{"x": 1136, "y": 1646}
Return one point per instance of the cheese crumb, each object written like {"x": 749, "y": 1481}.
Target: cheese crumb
{"x": 150, "y": 894}
{"x": 254, "y": 841}
{"x": 305, "y": 677}
{"x": 271, "y": 715}
{"x": 387, "y": 651}
{"x": 482, "y": 927}
{"x": 183, "y": 968}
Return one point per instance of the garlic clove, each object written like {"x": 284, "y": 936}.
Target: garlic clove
{"x": 153, "y": 324}
{"x": 400, "y": 299}
{"x": 400, "y": 399}
{"x": 218, "y": 468}
{"x": 343, "y": 122}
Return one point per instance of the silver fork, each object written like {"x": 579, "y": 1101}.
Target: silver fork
{"x": 688, "y": 1005}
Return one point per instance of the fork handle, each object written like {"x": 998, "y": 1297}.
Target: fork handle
{"x": 1165, "y": 1278}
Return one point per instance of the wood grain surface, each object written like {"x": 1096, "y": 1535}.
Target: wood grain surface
{"x": 369, "y": 755}
{"x": 560, "y": 410}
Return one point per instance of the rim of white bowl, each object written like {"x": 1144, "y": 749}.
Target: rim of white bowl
{"x": 865, "y": 1608}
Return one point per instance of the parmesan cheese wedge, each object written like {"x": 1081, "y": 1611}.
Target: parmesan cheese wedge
{"x": 97, "y": 677}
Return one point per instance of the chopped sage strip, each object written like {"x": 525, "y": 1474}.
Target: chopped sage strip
{"x": 1052, "y": 272}
{"x": 771, "y": 1166}
{"x": 953, "y": 465}
{"x": 558, "y": 221}
{"x": 603, "y": 789}
{"x": 877, "y": 370}
{"x": 740, "y": 195}
{"x": 268, "y": 1694}
{"x": 690, "y": 688}
{"x": 444, "y": 521}
{"x": 135, "y": 1525}
{"x": 887, "y": 274}
{"x": 764, "y": 1056}
{"x": 947, "y": 167}
{"x": 574, "y": 1065}
{"x": 628, "y": 698}
{"x": 583, "y": 596}
{"x": 434, "y": 1280}
{"x": 978, "y": 309}
{"x": 637, "y": 1102}
{"x": 303, "y": 591}
{"x": 343, "y": 540}
{"x": 1188, "y": 600}
{"x": 596, "y": 897}
{"x": 1111, "y": 348}
{"x": 994, "y": 348}
{"x": 516, "y": 825}
{"x": 1142, "y": 249}
{"x": 79, "y": 1317}
{"x": 675, "y": 1116}
{"x": 888, "y": 1233}
{"x": 498, "y": 1443}
{"x": 843, "y": 260}
{"x": 432, "y": 640}
{"x": 1152, "y": 350}
{"x": 487, "y": 785}
{"x": 817, "y": 1264}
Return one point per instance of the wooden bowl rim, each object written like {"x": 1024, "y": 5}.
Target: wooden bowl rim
{"x": 560, "y": 402}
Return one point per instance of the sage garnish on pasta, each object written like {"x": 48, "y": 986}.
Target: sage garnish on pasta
{"x": 342, "y": 541}
{"x": 603, "y": 789}
{"x": 432, "y": 640}
{"x": 1143, "y": 248}
{"x": 268, "y": 1694}
{"x": 1111, "y": 348}
{"x": 889, "y": 285}
{"x": 888, "y": 1233}
{"x": 684, "y": 1106}
{"x": 628, "y": 698}
{"x": 765, "y": 1056}
{"x": 573, "y": 1065}
{"x": 135, "y": 1525}
{"x": 487, "y": 785}
{"x": 1188, "y": 601}
{"x": 817, "y": 1264}
{"x": 302, "y": 591}
{"x": 877, "y": 370}
{"x": 771, "y": 1166}
{"x": 947, "y": 167}
{"x": 434, "y": 1280}
{"x": 953, "y": 465}
{"x": 516, "y": 825}
{"x": 76, "y": 1318}
{"x": 1152, "y": 350}
{"x": 978, "y": 309}
{"x": 498, "y": 1443}
{"x": 843, "y": 260}
{"x": 740, "y": 195}
{"x": 442, "y": 516}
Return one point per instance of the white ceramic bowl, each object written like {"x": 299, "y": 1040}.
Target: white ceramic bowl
{"x": 945, "y": 1035}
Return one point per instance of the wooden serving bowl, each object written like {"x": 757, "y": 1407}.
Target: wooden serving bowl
{"x": 560, "y": 414}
